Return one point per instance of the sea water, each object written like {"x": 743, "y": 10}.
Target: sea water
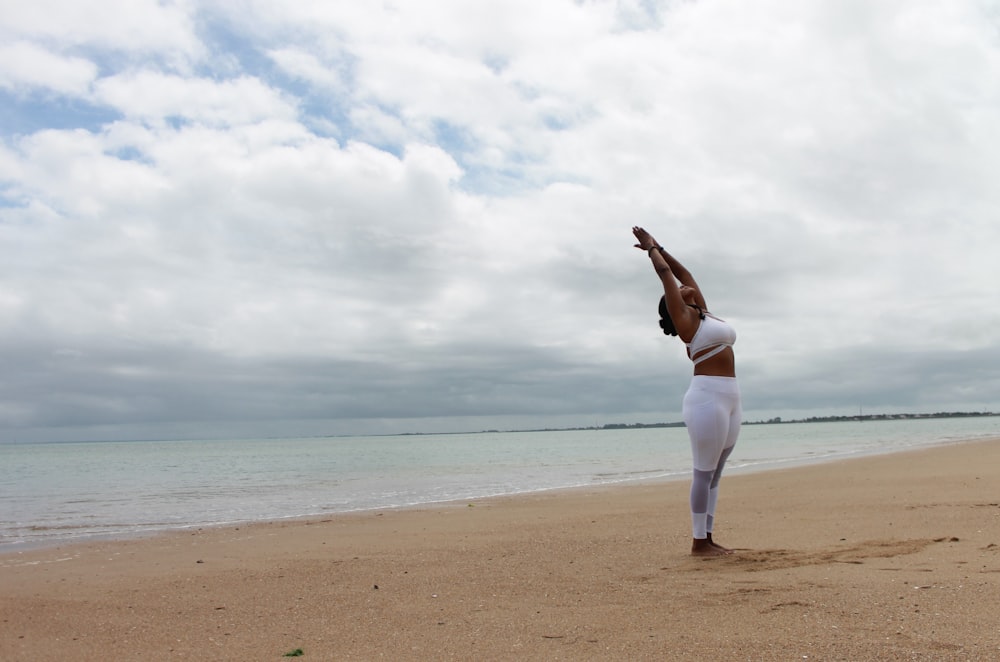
{"x": 58, "y": 492}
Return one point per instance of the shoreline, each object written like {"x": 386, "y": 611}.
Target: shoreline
{"x": 9, "y": 549}
{"x": 14, "y": 548}
{"x": 889, "y": 557}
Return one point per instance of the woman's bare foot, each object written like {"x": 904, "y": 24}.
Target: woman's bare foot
{"x": 724, "y": 550}
{"x": 704, "y": 547}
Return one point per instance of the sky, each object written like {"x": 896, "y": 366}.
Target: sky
{"x": 262, "y": 218}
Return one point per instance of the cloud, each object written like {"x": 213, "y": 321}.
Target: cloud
{"x": 26, "y": 67}
{"x": 311, "y": 69}
{"x": 151, "y": 96}
{"x": 115, "y": 26}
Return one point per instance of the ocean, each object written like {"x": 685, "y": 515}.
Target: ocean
{"x": 52, "y": 493}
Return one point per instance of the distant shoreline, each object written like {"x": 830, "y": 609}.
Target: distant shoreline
{"x": 607, "y": 426}
{"x": 773, "y": 421}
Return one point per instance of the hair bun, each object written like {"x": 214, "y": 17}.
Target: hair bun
{"x": 666, "y": 323}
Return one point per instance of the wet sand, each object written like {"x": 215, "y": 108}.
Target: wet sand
{"x": 893, "y": 557}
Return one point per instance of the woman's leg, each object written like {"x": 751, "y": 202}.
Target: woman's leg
{"x": 709, "y": 417}
{"x": 700, "y": 496}
{"x": 713, "y": 488}
{"x": 735, "y": 419}
{"x": 707, "y": 426}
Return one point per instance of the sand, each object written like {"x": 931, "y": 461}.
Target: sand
{"x": 893, "y": 557}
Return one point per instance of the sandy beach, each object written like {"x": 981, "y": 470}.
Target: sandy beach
{"x": 893, "y": 557}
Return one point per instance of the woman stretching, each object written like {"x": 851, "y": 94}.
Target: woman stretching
{"x": 712, "y": 404}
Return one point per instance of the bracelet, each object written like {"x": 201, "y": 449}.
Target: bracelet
{"x": 659, "y": 248}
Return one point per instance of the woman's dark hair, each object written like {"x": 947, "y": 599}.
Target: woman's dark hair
{"x": 666, "y": 323}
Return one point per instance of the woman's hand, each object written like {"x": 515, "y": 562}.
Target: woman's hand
{"x": 646, "y": 240}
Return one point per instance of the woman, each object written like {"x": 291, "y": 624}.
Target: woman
{"x": 712, "y": 407}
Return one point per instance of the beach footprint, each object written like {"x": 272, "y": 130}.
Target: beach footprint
{"x": 757, "y": 560}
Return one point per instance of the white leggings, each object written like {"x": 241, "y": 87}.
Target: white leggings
{"x": 712, "y": 414}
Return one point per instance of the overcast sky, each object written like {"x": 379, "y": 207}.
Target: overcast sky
{"x": 266, "y": 218}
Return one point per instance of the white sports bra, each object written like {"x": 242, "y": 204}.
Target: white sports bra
{"x": 711, "y": 333}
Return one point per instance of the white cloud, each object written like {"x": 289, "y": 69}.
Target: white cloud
{"x": 310, "y": 68}
{"x": 133, "y": 26}
{"x": 376, "y": 126}
{"x": 156, "y": 97}
{"x": 26, "y": 66}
